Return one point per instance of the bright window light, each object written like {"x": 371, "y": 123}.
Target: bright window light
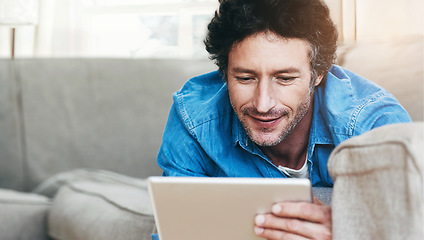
{"x": 115, "y": 29}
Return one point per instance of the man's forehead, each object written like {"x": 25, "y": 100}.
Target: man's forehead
{"x": 268, "y": 52}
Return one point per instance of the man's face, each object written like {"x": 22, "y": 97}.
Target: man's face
{"x": 270, "y": 87}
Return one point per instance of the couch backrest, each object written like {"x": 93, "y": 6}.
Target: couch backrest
{"x": 11, "y": 149}
{"x": 61, "y": 114}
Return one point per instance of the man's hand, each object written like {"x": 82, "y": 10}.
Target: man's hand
{"x": 295, "y": 220}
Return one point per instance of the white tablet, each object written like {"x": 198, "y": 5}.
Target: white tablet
{"x": 193, "y": 208}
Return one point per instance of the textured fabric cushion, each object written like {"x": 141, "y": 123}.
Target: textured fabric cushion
{"x": 378, "y": 184}
{"x": 23, "y": 216}
{"x": 103, "y": 207}
{"x": 323, "y": 194}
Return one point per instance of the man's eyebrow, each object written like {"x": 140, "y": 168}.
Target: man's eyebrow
{"x": 241, "y": 70}
{"x": 288, "y": 70}
{"x": 279, "y": 71}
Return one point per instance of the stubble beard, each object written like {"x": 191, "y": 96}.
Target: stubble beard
{"x": 302, "y": 110}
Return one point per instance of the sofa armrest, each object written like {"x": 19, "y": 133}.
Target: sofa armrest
{"x": 103, "y": 206}
{"x": 378, "y": 184}
{"x": 23, "y": 215}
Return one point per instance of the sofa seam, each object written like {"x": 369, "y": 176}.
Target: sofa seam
{"x": 20, "y": 202}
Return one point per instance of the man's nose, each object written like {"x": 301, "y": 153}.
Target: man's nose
{"x": 264, "y": 99}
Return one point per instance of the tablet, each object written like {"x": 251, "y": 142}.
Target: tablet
{"x": 197, "y": 208}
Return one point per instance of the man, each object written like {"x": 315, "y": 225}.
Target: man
{"x": 277, "y": 107}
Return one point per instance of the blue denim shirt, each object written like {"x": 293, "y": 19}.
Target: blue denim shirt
{"x": 204, "y": 137}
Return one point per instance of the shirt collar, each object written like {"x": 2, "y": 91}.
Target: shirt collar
{"x": 239, "y": 133}
{"x": 319, "y": 132}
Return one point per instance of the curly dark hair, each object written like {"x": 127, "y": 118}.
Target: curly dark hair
{"x": 304, "y": 19}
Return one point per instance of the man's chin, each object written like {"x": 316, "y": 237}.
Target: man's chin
{"x": 266, "y": 141}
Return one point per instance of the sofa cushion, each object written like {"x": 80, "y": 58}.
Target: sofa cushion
{"x": 98, "y": 208}
{"x": 50, "y": 186}
{"x": 23, "y": 216}
{"x": 378, "y": 184}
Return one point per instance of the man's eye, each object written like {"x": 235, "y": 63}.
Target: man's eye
{"x": 244, "y": 79}
{"x": 286, "y": 79}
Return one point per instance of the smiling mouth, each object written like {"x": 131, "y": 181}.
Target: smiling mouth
{"x": 265, "y": 119}
{"x": 266, "y": 122}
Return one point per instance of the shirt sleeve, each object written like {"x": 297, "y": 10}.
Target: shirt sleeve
{"x": 383, "y": 111}
{"x": 180, "y": 153}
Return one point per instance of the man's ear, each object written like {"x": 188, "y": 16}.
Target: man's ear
{"x": 318, "y": 80}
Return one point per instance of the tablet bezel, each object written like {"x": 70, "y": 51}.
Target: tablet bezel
{"x": 192, "y": 208}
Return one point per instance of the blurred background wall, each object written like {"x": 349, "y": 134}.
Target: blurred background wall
{"x": 107, "y": 28}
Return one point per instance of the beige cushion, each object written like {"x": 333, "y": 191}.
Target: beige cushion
{"x": 102, "y": 209}
{"x": 23, "y": 216}
{"x": 378, "y": 184}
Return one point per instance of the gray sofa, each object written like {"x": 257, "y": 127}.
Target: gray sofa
{"x": 79, "y": 136}
{"x": 82, "y": 120}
